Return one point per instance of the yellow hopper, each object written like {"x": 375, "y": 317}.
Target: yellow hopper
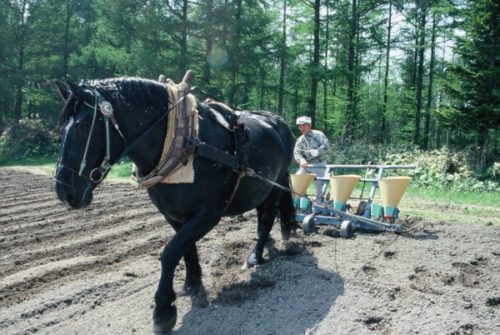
{"x": 300, "y": 182}
{"x": 341, "y": 188}
{"x": 391, "y": 191}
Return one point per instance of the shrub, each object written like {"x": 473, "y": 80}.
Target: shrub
{"x": 31, "y": 138}
{"x": 440, "y": 169}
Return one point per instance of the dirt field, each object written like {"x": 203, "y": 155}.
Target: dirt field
{"x": 95, "y": 271}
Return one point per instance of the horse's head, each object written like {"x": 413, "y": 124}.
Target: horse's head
{"x": 91, "y": 143}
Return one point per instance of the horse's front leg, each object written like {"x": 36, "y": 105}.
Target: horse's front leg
{"x": 266, "y": 213}
{"x": 195, "y": 227}
{"x": 193, "y": 283}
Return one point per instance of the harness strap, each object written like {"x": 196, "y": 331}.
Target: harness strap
{"x": 180, "y": 130}
{"x": 248, "y": 172}
{"x": 235, "y": 189}
{"x": 84, "y": 159}
{"x": 230, "y": 120}
{"x": 216, "y": 155}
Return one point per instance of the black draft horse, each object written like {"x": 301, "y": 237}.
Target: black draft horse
{"x": 192, "y": 209}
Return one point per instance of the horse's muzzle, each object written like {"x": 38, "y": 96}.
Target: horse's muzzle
{"x": 74, "y": 191}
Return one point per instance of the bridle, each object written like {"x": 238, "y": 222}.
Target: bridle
{"x": 97, "y": 174}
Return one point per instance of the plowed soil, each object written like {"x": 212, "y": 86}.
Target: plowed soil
{"x": 95, "y": 271}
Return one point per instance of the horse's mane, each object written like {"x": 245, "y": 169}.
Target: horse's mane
{"x": 134, "y": 90}
{"x": 129, "y": 90}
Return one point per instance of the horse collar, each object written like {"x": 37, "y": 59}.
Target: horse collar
{"x": 180, "y": 133}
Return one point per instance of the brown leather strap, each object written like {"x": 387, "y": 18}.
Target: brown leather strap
{"x": 177, "y": 151}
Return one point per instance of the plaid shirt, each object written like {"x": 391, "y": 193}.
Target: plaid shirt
{"x": 315, "y": 139}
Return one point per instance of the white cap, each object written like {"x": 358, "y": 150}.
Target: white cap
{"x": 303, "y": 120}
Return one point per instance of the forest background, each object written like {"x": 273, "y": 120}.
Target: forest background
{"x": 388, "y": 81}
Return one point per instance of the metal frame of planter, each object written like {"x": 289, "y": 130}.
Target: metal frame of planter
{"x": 310, "y": 213}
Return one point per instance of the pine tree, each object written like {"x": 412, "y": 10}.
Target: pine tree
{"x": 474, "y": 78}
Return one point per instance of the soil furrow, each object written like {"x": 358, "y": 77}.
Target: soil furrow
{"x": 94, "y": 243}
{"x": 17, "y": 288}
{"x": 69, "y": 220}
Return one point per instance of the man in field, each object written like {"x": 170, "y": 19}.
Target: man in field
{"x": 310, "y": 153}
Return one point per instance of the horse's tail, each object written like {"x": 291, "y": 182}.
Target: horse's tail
{"x": 287, "y": 210}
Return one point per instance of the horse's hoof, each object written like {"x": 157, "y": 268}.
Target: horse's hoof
{"x": 285, "y": 235}
{"x": 254, "y": 260}
{"x": 165, "y": 322}
{"x": 188, "y": 290}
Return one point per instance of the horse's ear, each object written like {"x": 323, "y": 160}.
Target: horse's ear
{"x": 65, "y": 88}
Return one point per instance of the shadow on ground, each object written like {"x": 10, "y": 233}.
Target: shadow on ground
{"x": 287, "y": 295}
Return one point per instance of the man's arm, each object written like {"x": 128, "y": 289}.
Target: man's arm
{"x": 298, "y": 152}
{"x": 324, "y": 144}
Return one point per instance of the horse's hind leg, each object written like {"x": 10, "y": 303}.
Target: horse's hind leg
{"x": 266, "y": 213}
{"x": 287, "y": 211}
{"x": 194, "y": 228}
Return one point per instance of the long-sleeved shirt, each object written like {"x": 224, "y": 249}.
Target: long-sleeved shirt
{"x": 315, "y": 139}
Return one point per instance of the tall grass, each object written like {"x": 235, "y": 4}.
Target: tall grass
{"x": 457, "y": 197}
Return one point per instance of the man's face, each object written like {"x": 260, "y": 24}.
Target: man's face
{"x": 305, "y": 128}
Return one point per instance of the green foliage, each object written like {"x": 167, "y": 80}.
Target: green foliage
{"x": 123, "y": 169}
{"x": 29, "y": 138}
{"x": 438, "y": 169}
{"x": 473, "y": 79}
{"x": 442, "y": 169}
{"x": 359, "y": 152}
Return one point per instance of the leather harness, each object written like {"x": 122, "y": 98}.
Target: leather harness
{"x": 181, "y": 139}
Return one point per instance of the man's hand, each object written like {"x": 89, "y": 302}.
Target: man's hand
{"x": 313, "y": 153}
{"x": 303, "y": 163}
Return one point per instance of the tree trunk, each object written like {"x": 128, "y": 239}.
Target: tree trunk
{"x": 315, "y": 63}
{"x": 482, "y": 164}
{"x": 357, "y": 79}
{"x": 334, "y": 84}
{"x": 437, "y": 131}
{"x": 351, "y": 76}
{"x": 428, "y": 108}
{"x": 281, "y": 87}
{"x": 420, "y": 74}
{"x": 20, "y": 65}
{"x": 295, "y": 99}
{"x": 235, "y": 45}
{"x": 262, "y": 93}
{"x": 224, "y": 45}
{"x": 325, "y": 80}
{"x": 383, "y": 127}
{"x": 208, "y": 40}
{"x": 184, "y": 23}
{"x": 66, "y": 39}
